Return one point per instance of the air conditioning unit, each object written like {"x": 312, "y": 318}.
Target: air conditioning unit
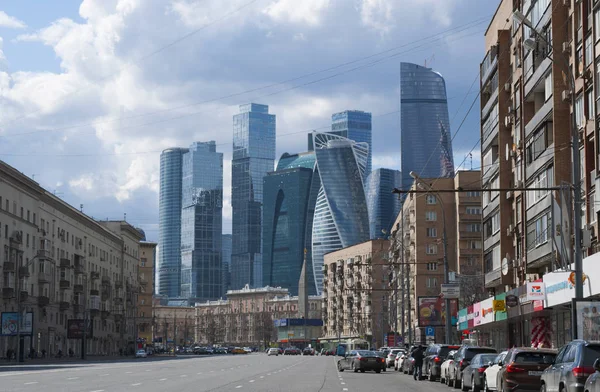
{"x": 566, "y": 95}
{"x": 508, "y": 121}
{"x": 507, "y": 87}
{"x": 509, "y": 195}
{"x": 566, "y": 47}
{"x": 509, "y": 230}
{"x": 519, "y": 184}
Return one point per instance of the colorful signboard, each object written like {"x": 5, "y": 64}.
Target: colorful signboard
{"x": 559, "y": 290}
{"x": 75, "y": 329}
{"x": 499, "y": 306}
{"x": 499, "y": 316}
{"x": 432, "y": 311}
{"x": 462, "y": 319}
{"x": 470, "y": 317}
{"x": 9, "y": 324}
{"x": 477, "y": 313}
{"x": 487, "y": 311}
{"x": 588, "y": 319}
{"x": 536, "y": 291}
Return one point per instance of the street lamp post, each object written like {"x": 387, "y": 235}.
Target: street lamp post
{"x": 421, "y": 183}
{"x": 576, "y": 172}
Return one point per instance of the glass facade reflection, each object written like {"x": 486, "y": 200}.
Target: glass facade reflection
{"x": 354, "y": 125}
{"x": 287, "y": 200}
{"x": 201, "y": 223}
{"x": 169, "y": 236}
{"x": 383, "y": 205}
{"x": 426, "y": 145}
{"x": 341, "y": 217}
{"x": 226, "y": 255}
{"x": 253, "y": 158}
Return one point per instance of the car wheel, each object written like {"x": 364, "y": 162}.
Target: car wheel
{"x": 378, "y": 371}
{"x": 362, "y": 370}
{"x": 430, "y": 376}
{"x": 449, "y": 381}
{"x": 485, "y": 386}
{"x": 463, "y": 385}
{"x": 456, "y": 382}
{"x": 384, "y": 369}
{"x": 474, "y": 386}
{"x": 340, "y": 368}
{"x": 354, "y": 368}
{"x": 543, "y": 388}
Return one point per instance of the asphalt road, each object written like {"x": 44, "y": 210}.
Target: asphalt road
{"x": 253, "y": 373}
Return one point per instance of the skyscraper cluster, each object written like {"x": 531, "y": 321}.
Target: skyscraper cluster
{"x": 286, "y": 217}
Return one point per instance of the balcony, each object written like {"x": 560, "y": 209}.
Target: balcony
{"x": 538, "y": 76}
{"x": 79, "y": 268}
{"x": 44, "y": 254}
{"x": 94, "y": 275}
{"x": 77, "y": 308}
{"x": 64, "y": 305}
{"x": 105, "y": 296}
{"x": 118, "y": 300}
{"x": 65, "y": 263}
{"x": 143, "y": 281}
{"x": 24, "y": 272}
{"x": 64, "y": 284}
{"x": 118, "y": 317}
{"x": 540, "y": 116}
{"x": 23, "y": 296}
{"x": 104, "y": 314}
{"x": 493, "y": 278}
{"x": 490, "y": 172}
{"x": 8, "y": 292}
{"x": 78, "y": 289}
{"x": 106, "y": 280}
{"x": 9, "y": 266}
{"x": 118, "y": 284}
{"x": 43, "y": 301}
{"x": 94, "y": 292}
{"x": 44, "y": 277}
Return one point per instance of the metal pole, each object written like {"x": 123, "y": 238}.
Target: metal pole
{"x": 20, "y": 356}
{"x": 402, "y": 277}
{"x": 448, "y": 328}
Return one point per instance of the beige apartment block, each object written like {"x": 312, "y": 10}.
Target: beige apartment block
{"x": 417, "y": 248}
{"x": 59, "y": 265}
{"x": 146, "y": 282}
{"x": 174, "y": 324}
{"x": 355, "y": 291}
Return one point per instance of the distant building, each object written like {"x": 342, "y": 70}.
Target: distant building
{"x": 426, "y": 142}
{"x": 201, "y": 222}
{"x": 253, "y": 158}
{"x": 354, "y": 125}
{"x": 341, "y": 217}
{"x": 288, "y": 208}
{"x": 144, "y": 297}
{"x": 226, "y": 257}
{"x": 383, "y": 205}
{"x": 169, "y": 237}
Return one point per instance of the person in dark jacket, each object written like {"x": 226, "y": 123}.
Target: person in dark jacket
{"x": 417, "y": 355}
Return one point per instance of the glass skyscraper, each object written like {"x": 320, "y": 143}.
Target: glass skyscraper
{"x": 201, "y": 223}
{"x": 354, "y": 125}
{"x": 288, "y": 205}
{"x": 426, "y": 142}
{"x": 253, "y": 158}
{"x": 383, "y": 205}
{"x": 226, "y": 254}
{"x": 341, "y": 217}
{"x": 169, "y": 236}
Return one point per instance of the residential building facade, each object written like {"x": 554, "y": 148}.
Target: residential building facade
{"x": 382, "y": 204}
{"x": 426, "y": 144}
{"x": 354, "y": 293}
{"x": 253, "y": 158}
{"x": 287, "y": 223}
{"x": 341, "y": 217}
{"x": 202, "y": 223}
{"x": 169, "y": 237}
{"x": 173, "y": 325}
{"x": 60, "y": 265}
{"x": 144, "y": 309}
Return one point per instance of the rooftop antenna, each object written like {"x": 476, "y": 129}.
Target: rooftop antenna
{"x": 57, "y": 193}
{"x": 81, "y": 208}
{"x": 471, "y": 158}
{"x": 430, "y": 60}
{"x": 33, "y": 177}
{"x": 125, "y": 216}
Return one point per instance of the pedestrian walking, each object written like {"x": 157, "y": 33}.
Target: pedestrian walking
{"x": 417, "y": 355}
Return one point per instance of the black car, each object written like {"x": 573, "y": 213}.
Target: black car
{"x": 383, "y": 355}
{"x": 308, "y": 351}
{"x": 462, "y": 359}
{"x": 472, "y": 375}
{"x": 361, "y": 360}
{"x": 435, "y": 355}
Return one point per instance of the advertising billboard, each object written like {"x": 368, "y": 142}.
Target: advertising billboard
{"x": 487, "y": 311}
{"x": 588, "y": 319}
{"x": 9, "y": 324}
{"x": 432, "y": 311}
{"x": 75, "y": 329}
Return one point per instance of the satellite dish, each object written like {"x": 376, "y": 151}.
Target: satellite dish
{"x": 505, "y": 266}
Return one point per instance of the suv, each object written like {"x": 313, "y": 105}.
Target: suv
{"x": 574, "y": 363}
{"x": 522, "y": 367}
{"x": 434, "y": 356}
{"x": 462, "y": 358}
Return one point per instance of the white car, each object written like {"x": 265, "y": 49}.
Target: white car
{"x": 445, "y": 364}
{"x": 489, "y": 375}
{"x": 141, "y": 354}
{"x": 247, "y": 350}
{"x": 391, "y": 357}
{"x": 273, "y": 351}
{"x": 398, "y": 361}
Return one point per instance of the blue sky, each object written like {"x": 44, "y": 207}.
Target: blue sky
{"x": 94, "y": 89}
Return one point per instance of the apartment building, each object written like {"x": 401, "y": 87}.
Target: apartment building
{"x": 173, "y": 325}
{"x": 526, "y": 109}
{"x": 60, "y": 265}
{"x": 417, "y": 251}
{"x": 355, "y": 293}
{"x": 146, "y": 268}
{"x": 247, "y": 316}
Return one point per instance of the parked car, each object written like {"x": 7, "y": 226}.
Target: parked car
{"x": 141, "y": 354}
{"x": 200, "y": 350}
{"x": 522, "y": 368}
{"x": 238, "y": 350}
{"x": 472, "y": 375}
{"x": 462, "y": 358}
{"x": 273, "y": 351}
{"x": 360, "y": 360}
{"x": 308, "y": 351}
{"x": 220, "y": 350}
{"x": 391, "y": 357}
{"x": 434, "y": 356}
{"x": 444, "y": 368}
{"x": 573, "y": 365}
{"x": 489, "y": 376}
{"x": 329, "y": 353}
{"x": 593, "y": 382}
{"x": 381, "y": 354}
{"x": 408, "y": 365}
{"x": 398, "y": 361}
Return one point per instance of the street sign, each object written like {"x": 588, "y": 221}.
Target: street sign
{"x": 450, "y": 291}
{"x": 429, "y": 331}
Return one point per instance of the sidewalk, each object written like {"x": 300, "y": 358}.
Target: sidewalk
{"x": 76, "y": 360}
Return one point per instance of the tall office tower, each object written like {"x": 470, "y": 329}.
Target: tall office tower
{"x": 226, "y": 255}
{"x": 383, "y": 205}
{"x": 253, "y": 158}
{"x": 354, "y": 125}
{"x": 287, "y": 203}
{"x": 202, "y": 223}
{"x": 169, "y": 236}
{"x": 426, "y": 145}
{"x": 341, "y": 216}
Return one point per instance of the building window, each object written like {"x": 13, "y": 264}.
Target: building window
{"x": 579, "y": 112}
{"x": 543, "y": 180}
{"x": 431, "y": 249}
{"x": 431, "y": 283}
{"x": 431, "y": 199}
{"x": 589, "y": 97}
{"x": 474, "y": 228}
{"x": 537, "y": 231}
{"x": 473, "y": 193}
{"x": 475, "y": 244}
{"x": 432, "y": 266}
{"x": 143, "y": 261}
{"x": 474, "y": 210}
{"x": 432, "y": 232}
{"x": 430, "y": 216}
{"x": 539, "y": 142}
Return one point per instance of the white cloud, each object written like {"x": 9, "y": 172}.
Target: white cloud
{"x": 10, "y": 21}
{"x": 307, "y": 12}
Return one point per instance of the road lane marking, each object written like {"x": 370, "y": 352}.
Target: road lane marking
{"x": 98, "y": 390}
{"x": 163, "y": 379}
{"x": 136, "y": 384}
{"x": 128, "y": 372}
{"x": 104, "y": 375}
{"x": 147, "y": 370}
{"x": 199, "y": 373}
{"x": 30, "y": 383}
{"x": 251, "y": 381}
{"x": 72, "y": 378}
{"x": 343, "y": 383}
{"x": 238, "y": 387}
{"x": 345, "y": 389}
{"x": 183, "y": 375}
{"x": 262, "y": 376}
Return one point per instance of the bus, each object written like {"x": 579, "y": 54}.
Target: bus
{"x": 348, "y": 345}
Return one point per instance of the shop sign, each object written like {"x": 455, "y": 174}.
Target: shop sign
{"x": 487, "y": 311}
{"x": 559, "y": 290}
{"x": 450, "y": 291}
{"x": 536, "y": 291}
{"x": 462, "y": 319}
{"x": 432, "y": 311}
{"x": 470, "y": 317}
{"x": 499, "y": 305}
{"x": 512, "y": 301}
{"x": 477, "y": 313}
{"x": 501, "y": 315}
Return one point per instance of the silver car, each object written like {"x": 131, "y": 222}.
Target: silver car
{"x": 593, "y": 382}
{"x": 573, "y": 365}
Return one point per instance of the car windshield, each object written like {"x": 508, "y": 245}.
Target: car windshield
{"x": 590, "y": 353}
{"x": 445, "y": 350}
{"x": 470, "y": 353}
{"x": 535, "y": 358}
{"x": 365, "y": 353}
{"x": 395, "y": 352}
{"x": 484, "y": 359}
